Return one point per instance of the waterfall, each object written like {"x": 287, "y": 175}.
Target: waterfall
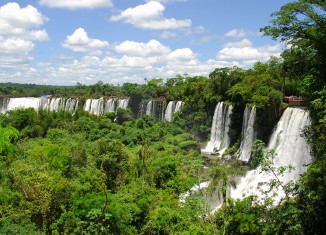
{"x": 220, "y": 140}
{"x": 169, "y": 111}
{"x": 55, "y": 104}
{"x": 99, "y": 106}
{"x": 172, "y": 108}
{"x": 248, "y": 133}
{"x": 178, "y": 106}
{"x": 150, "y": 108}
{"x": 94, "y": 106}
{"x": 25, "y": 102}
{"x": 291, "y": 148}
{"x": 123, "y": 103}
{"x": 3, "y": 105}
{"x": 110, "y": 105}
{"x": 71, "y": 105}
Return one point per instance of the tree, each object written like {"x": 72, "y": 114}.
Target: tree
{"x": 8, "y": 136}
{"x": 222, "y": 177}
{"x": 302, "y": 25}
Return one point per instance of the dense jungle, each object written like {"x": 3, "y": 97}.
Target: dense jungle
{"x": 124, "y": 173}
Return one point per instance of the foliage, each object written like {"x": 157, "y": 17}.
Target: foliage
{"x": 118, "y": 173}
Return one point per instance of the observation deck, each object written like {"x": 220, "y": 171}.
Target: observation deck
{"x": 295, "y": 101}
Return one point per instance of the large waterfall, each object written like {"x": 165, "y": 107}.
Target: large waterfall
{"x": 62, "y": 104}
{"x": 123, "y": 103}
{"x": 94, "y": 106}
{"x": 102, "y": 105}
{"x": 290, "y": 147}
{"x": 173, "y": 107}
{"x": 45, "y": 102}
{"x": 220, "y": 139}
{"x": 248, "y": 134}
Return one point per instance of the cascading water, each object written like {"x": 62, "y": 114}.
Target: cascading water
{"x": 25, "y": 102}
{"x": 290, "y": 147}
{"x": 172, "y": 108}
{"x": 150, "y": 108}
{"x": 3, "y": 105}
{"x": 248, "y": 134}
{"x": 94, "y": 106}
{"x": 220, "y": 140}
{"x": 178, "y": 106}
{"x": 99, "y": 106}
{"x": 110, "y": 105}
{"x": 71, "y": 105}
{"x": 169, "y": 111}
{"x": 123, "y": 103}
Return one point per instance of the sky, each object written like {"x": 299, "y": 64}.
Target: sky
{"x": 65, "y": 42}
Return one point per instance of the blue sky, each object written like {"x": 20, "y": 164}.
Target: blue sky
{"x": 62, "y": 42}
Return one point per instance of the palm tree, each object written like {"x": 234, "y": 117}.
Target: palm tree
{"x": 222, "y": 176}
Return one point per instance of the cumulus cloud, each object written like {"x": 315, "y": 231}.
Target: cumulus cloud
{"x": 236, "y": 33}
{"x": 249, "y": 53}
{"x": 22, "y": 22}
{"x": 167, "y": 1}
{"x": 243, "y": 43}
{"x": 167, "y": 34}
{"x": 149, "y": 49}
{"x": 17, "y": 46}
{"x": 19, "y": 28}
{"x": 150, "y": 16}
{"x": 80, "y": 42}
{"x": 76, "y": 4}
{"x": 182, "y": 55}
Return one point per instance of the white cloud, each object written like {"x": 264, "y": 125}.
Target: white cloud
{"x": 249, "y": 53}
{"x": 22, "y": 22}
{"x": 76, "y": 4}
{"x": 236, "y": 33}
{"x": 150, "y": 16}
{"x": 80, "y": 42}
{"x": 167, "y": 1}
{"x": 167, "y": 34}
{"x": 243, "y": 43}
{"x": 182, "y": 55}
{"x": 16, "y": 46}
{"x": 149, "y": 49}
{"x": 19, "y": 28}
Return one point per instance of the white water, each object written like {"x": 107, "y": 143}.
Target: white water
{"x": 219, "y": 140}
{"x": 45, "y": 102}
{"x": 94, "y": 106}
{"x": 123, "y": 103}
{"x": 169, "y": 111}
{"x": 29, "y": 102}
{"x": 110, "y": 105}
{"x": 291, "y": 148}
{"x": 99, "y": 106}
{"x": 178, "y": 106}
{"x": 248, "y": 133}
{"x": 149, "y": 108}
{"x": 172, "y": 108}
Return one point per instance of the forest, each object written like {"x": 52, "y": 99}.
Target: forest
{"x": 122, "y": 173}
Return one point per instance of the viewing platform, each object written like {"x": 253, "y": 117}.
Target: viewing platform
{"x": 294, "y": 101}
